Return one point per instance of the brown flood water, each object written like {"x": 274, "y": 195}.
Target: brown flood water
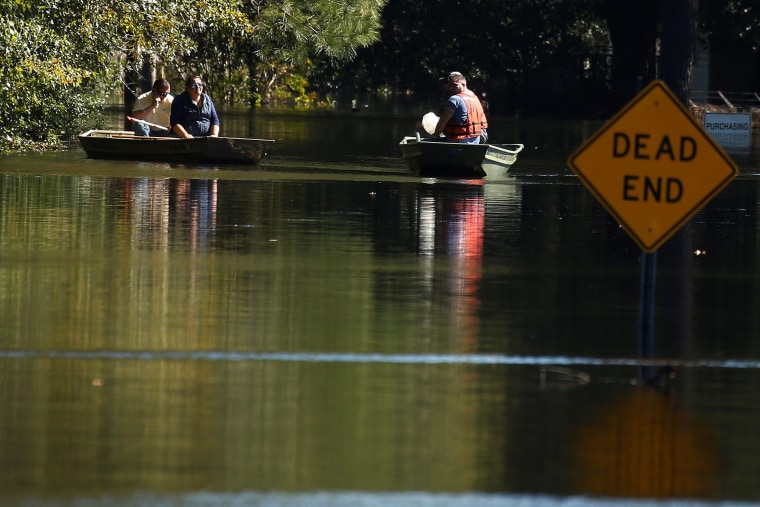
{"x": 327, "y": 330}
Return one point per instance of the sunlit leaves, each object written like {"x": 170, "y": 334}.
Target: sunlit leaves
{"x": 733, "y": 22}
{"x": 52, "y": 47}
{"x": 284, "y": 39}
{"x": 39, "y": 69}
{"x": 290, "y": 30}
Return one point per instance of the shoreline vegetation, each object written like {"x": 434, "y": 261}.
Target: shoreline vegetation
{"x": 62, "y": 61}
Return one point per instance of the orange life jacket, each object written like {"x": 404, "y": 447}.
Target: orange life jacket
{"x": 476, "y": 119}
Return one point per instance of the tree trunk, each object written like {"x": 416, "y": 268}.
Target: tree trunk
{"x": 633, "y": 28}
{"x": 135, "y": 83}
{"x": 679, "y": 45}
{"x": 253, "y": 83}
{"x": 130, "y": 76}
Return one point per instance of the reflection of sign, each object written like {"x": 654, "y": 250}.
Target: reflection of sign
{"x": 730, "y": 129}
{"x": 652, "y": 166}
{"x": 644, "y": 445}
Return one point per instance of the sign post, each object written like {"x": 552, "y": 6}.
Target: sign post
{"x": 652, "y": 167}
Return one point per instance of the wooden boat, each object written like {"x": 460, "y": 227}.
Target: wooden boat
{"x": 436, "y": 158}
{"x": 124, "y": 145}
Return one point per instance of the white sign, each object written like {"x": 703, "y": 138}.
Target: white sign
{"x": 730, "y": 130}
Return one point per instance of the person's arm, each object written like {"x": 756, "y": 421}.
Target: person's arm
{"x": 175, "y": 118}
{"x": 446, "y": 115}
{"x": 142, "y": 113}
{"x": 214, "y": 132}
{"x": 181, "y": 132}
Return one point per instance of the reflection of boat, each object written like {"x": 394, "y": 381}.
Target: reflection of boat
{"x": 440, "y": 158}
{"x": 124, "y": 145}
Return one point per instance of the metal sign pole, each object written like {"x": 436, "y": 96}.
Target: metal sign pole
{"x": 646, "y": 310}
{"x": 653, "y": 167}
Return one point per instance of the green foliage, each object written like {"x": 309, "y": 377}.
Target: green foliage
{"x": 731, "y": 23}
{"x": 290, "y": 89}
{"x": 287, "y": 38}
{"x": 46, "y": 93}
{"x": 513, "y": 49}
{"x": 292, "y": 29}
{"x": 59, "y": 58}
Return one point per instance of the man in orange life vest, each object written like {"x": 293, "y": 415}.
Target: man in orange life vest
{"x": 462, "y": 119}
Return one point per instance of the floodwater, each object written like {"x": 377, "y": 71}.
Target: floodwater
{"x": 327, "y": 330}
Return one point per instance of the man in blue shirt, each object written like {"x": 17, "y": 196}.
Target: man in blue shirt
{"x": 193, "y": 112}
{"x": 462, "y": 119}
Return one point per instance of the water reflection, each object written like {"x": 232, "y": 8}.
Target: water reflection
{"x": 317, "y": 333}
{"x": 456, "y": 215}
{"x": 195, "y": 209}
{"x": 645, "y": 445}
{"x": 148, "y": 210}
{"x": 158, "y": 208}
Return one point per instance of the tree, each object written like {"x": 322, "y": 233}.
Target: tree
{"x": 731, "y": 23}
{"x": 81, "y": 50}
{"x": 287, "y": 38}
{"x": 679, "y": 45}
{"x": 524, "y": 55}
{"x": 633, "y": 29}
{"x": 61, "y": 57}
{"x": 38, "y": 67}
{"x": 731, "y": 30}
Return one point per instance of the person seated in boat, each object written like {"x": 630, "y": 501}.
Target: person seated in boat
{"x": 154, "y": 107}
{"x": 462, "y": 119}
{"x": 193, "y": 112}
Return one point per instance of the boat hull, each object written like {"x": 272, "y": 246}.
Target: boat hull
{"x": 433, "y": 158}
{"x": 124, "y": 145}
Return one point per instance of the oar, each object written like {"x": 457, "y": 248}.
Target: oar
{"x": 160, "y": 127}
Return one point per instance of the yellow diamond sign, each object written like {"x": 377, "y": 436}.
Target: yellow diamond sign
{"x": 652, "y": 166}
